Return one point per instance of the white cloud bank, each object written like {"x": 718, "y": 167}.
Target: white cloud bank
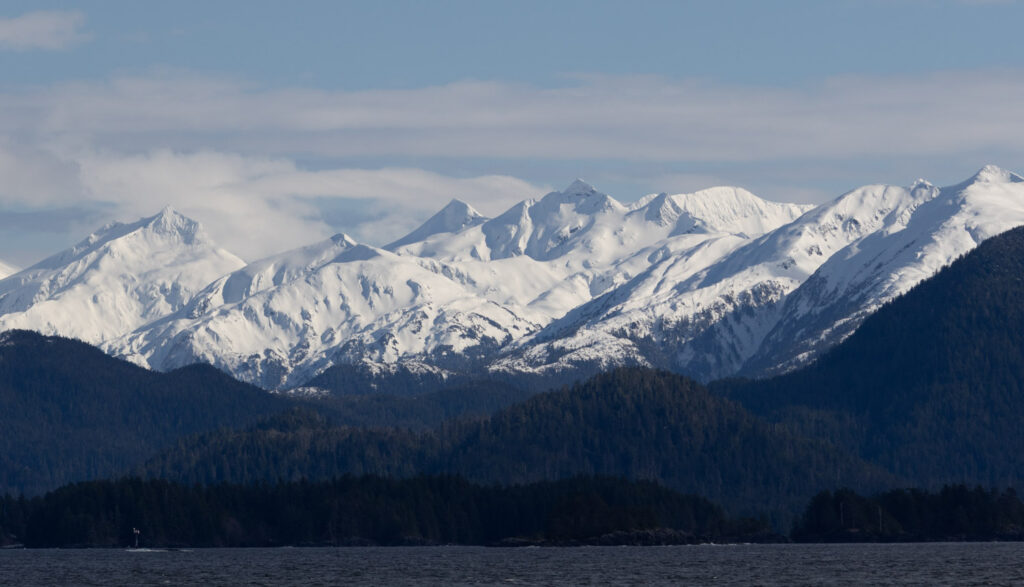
{"x": 253, "y": 206}
{"x": 259, "y": 206}
{"x": 50, "y": 30}
{"x": 225, "y": 152}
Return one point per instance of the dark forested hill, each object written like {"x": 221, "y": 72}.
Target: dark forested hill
{"x": 393, "y": 408}
{"x": 70, "y": 412}
{"x": 634, "y": 423}
{"x": 646, "y": 424}
{"x": 932, "y": 385}
{"x": 298, "y": 444}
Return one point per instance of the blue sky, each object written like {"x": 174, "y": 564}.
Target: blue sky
{"x": 291, "y": 121}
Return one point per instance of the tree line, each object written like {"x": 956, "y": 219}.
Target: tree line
{"x": 366, "y": 510}
{"x": 424, "y": 510}
{"x": 956, "y": 512}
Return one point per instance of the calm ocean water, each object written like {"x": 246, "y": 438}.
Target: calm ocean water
{"x": 848, "y": 564}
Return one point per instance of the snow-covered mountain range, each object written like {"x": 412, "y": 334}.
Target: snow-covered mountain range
{"x": 712, "y": 283}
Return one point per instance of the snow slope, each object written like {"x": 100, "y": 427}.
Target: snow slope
{"x": 367, "y": 304}
{"x": 853, "y": 283}
{"x": 116, "y": 280}
{"x": 452, "y": 294}
{"x": 775, "y": 303}
{"x": 709, "y": 284}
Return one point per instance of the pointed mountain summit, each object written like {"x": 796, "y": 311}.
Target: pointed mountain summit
{"x": 580, "y": 188}
{"x": 552, "y": 226}
{"x": 454, "y": 217}
{"x": 169, "y": 223}
{"x": 115, "y": 280}
{"x": 994, "y": 174}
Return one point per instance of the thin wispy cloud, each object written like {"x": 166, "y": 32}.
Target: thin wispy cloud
{"x": 600, "y": 117}
{"x": 46, "y": 30}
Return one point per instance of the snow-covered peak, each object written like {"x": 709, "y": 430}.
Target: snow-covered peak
{"x": 580, "y": 188}
{"x": 994, "y": 174}
{"x": 721, "y": 209}
{"x": 589, "y": 229}
{"x": 550, "y": 227}
{"x": 170, "y": 221}
{"x": 165, "y": 229}
{"x": 115, "y": 280}
{"x": 580, "y": 197}
{"x": 270, "y": 272}
{"x": 454, "y": 217}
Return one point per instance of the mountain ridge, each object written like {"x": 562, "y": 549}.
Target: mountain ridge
{"x": 709, "y": 284}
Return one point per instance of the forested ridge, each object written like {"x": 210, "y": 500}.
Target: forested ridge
{"x": 70, "y": 412}
{"x": 368, "y": 510}
{"x": 421, "y": 510}
{"x": 635, "y": 423}
{"x": 429, "y": 408}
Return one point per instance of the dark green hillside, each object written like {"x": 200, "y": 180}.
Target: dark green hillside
{"x": 645, "y": 424}
{"x": 420, "y": 411}
{"x": 70, "y": 412}
{"x": 932, "y": 385}
{"x": 632, "y": 423}
{"x": 298, "y": 444}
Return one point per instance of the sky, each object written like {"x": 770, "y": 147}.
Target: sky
{"x": 278, "y": 124}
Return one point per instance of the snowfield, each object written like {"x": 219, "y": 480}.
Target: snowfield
{"x": 709, "y": 284}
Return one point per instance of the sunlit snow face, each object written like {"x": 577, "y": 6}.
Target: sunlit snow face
{"x": 717, "y": 281}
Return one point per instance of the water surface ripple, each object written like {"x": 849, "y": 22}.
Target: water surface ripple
{"x": 786, "y": 564}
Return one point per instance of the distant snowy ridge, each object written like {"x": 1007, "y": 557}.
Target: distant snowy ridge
{"x": 457, "y": 293}
{"x": 709, "y": 284}
{"x": 777, "y": 302}
{"x": 119, "y": 278}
